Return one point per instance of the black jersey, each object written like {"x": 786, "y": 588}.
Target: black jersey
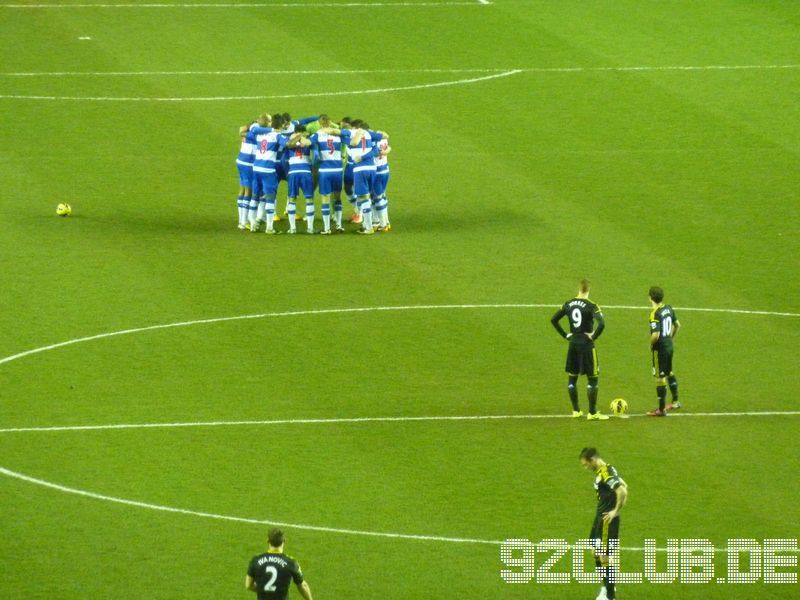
{"x": 273, "y": 572}
{"x": 662, "y": 320}
{"x": 605, "y": 483}
{"x": 582, "y": 314}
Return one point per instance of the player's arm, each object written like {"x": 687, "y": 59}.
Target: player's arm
{"x": 601, "y": 324}
{"x": 621, "y": 492}
{"x": 556, "y": 322}
{"x": 372, "y": 153}
{"x": 655, "y": 333}
{"x": 675, "y": 326}
{"x": 305, "y": 121}
{"x": 250, "y": 583}
{"x": 256, "y": 129}
{"x": 304, "y": 590}
{"x": 356, "y": 139}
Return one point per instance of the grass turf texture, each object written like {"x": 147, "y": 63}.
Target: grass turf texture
{"x": 505, "y": 191}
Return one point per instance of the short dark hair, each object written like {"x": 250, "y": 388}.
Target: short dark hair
{"x": 277, "y": 122}
{"x": 300, "y": 129}
{"x": 656, "y": 294}
{"x": 585, "y": 285}
{"x": 275, "y": 537}
{"x": 589, "y": 453}
{"x": 286, "y": 117}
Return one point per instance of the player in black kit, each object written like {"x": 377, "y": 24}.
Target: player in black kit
{"x": 664, "y": 326}
{"x": 270, "y": 574}
{"x": 582, "y": 356}
{"x": 612, "y": 493}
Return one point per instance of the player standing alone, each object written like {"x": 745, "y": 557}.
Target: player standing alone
{"x": 269, "y": 574}
{"x": 612, "y": 493}
{"x": 582, "y": 356}
{"x": 664, "y": 326}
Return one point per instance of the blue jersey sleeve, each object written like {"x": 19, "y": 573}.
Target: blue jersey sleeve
{"x": 258, "y": 130}
{"x": 282, "y": 141}
{"x": 250, "y": 137}
{"x": 376, "y": 137}
{"x": 306, "y": 121}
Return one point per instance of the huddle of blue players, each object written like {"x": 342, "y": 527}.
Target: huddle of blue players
{"x": 313, "y": 153}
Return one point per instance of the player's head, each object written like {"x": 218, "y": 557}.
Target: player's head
{"x": 243, "y": 130}
{"x": 300, "y": 129}
{"x": 264, "y": 119}
{"x": 287, "y": 118}
{"x": 346, "y": 122}
{"x": 589, "y": 458}
{"x": 357, "y": 123}
{"x": 584, "y": 287}
{"x": 324, "y": 120}
{"x": 275, "y": 537}
{"x": 364, "y": 125}
{"x": 656, "y": 294}
{"x": 277, "y": 122}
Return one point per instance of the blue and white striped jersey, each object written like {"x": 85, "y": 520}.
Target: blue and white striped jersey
{"x": 247, "y": 150}
{"x": 366, "y": 151}
{"x": 269, "y": 145}
{"x": 382, "y": 160}
{"x": 329, "y": 149}
{"x": 299, "y": 159}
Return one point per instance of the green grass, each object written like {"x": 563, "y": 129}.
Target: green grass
{"x": 505, "y": 191}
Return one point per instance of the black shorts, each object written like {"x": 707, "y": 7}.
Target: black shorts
{"x": 602, "y": 532}
{"x": 662, "y": 362}
{"x": 582, "y": 360}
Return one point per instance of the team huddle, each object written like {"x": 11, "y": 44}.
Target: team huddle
{"x": 310, "y": 154}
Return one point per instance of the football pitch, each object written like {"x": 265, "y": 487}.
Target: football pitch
{"x": 171, "y": 387}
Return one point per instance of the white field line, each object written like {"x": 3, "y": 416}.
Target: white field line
{"x": 302, "y": 526}
{"x": 311, "y": 5}
{"x": 421, "y": 86}
{"x": 358, "y": 420}
{"x": 377, "y": 71}
{"x": 366, "y": 309}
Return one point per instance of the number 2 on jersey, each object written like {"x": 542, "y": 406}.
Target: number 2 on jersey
{"x": 270, "y": 585}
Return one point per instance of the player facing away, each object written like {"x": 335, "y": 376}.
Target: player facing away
{"x": 581, "y": 355}
{"x": 379, "y": 185}
{"x": 299, "y": 148}
{"x": 612, "y": 493}
{"x": 363, "y": 146}
{"x": 244, "y": 164}
{"x": 269, "y": 145}
{"x": 270, "y": 574}
{"x": 328, "y": 148}
{"x": 664, "y": 326}
{"x": 346, "y": 124}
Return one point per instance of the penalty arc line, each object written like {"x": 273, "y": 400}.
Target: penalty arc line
{"x": 230, "y": 518}
{"x": 329, "y": 311}
{"x": 422, "y": 86}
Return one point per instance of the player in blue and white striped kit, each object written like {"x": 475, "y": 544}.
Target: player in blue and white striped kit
{"x": 346, "y": 123}
{"x": 328, "y": 147}
{"x": 363, "y": 146}
{"x": 299, "y": 150}
{"x": 244, "y": 164}
{"x": 288, "y": 129}
{"x": 379, "y": 184}
{"x": 269, "y": 145}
